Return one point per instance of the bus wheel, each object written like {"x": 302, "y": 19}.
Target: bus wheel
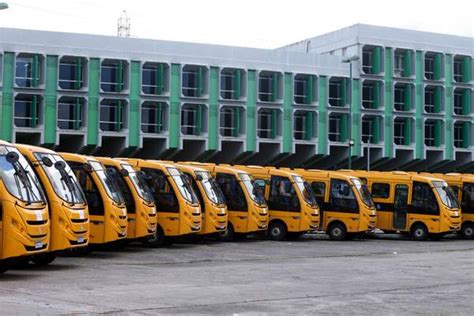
{"x": 419, "y": 232}
{"x": 337, "y": 231}
{"x": 277, "y": 231}
{"x": 228, "y": 234}
{"x": 43, "y": 259}
{"x": 467, "y": 230}
{"x": 156, "y": 240}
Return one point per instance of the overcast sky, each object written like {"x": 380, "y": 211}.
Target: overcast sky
{"x": 254, "y": 23}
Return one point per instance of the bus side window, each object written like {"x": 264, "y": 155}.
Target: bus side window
{"x": 381, "y": 190}
{"x": 319, "y": 189}
{"x": 233, "y": 194}
{"x": 423, "y": 199}
{"x": 163, "y": 193}
{"x": 283, "y": 196}
{"x": 91, "y": 191}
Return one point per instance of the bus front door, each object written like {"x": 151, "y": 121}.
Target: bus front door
{"x": 400, "y": 207}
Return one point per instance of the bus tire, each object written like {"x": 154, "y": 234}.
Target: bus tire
{"x": 277, "y": 231}
{"x": 156, "y": 240}
{"x": 228, "y": 234}
{"x": 467, "y": 230}
{"x": 337, "y": 231}
{"x": 419, "y": 232}
{"x": 43, "y": 259}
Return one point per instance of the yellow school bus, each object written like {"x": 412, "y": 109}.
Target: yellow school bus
{"x": 107, "y": 210}
{"x": 141, "y": 209}
{"x": 24, "y": 216}
{"x": 178, "y": 210}
{"x": 346, "y": 207}
{"x": 463, "y": 188}
{"x": 211, "y": 199}
{"x": 67, "y": 204}
{"x": 419, "y": 205}
{"x": 246, "y": 207}
{"x": 291, "y": 203}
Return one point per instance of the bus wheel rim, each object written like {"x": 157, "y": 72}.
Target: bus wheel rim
{"x": 468, "y": 231}
{"x": 419, "y": 232}
{"x": 275, "y": 231}
{"x": 336, "y": 231}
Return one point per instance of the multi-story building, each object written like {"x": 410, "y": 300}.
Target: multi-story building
{"x": 410, "y": 98}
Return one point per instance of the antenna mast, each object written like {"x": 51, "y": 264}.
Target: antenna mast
{"x": 123, "y": 25}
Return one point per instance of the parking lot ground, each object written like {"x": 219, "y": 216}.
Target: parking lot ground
{"x": 384, "y": 275}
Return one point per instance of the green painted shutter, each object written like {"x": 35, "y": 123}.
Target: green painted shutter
{"x": 375, "y": 130}
{"x": 376, "y": 94}
{"x": 408, "y": 62}
{"x": 35, "y": 71}
{"x": 437, "y": 66}
{"x": 198, "y": 120}
{"x": 343, "y": 127}
{"x": 437, "y": 133}
{"x": 273, "y": 124}
{"x": 119, "y": 76}
{"x": 407, "y": 132}
{"x": 199, "y": 82}
{"x": 465, "y": 135}
{"x": 159, "y": 118}
{"x": 274, "y": 87}
{"x": 407, "y": 97}
{"x": 437, "y": 100}
{"x": 236, "y": 123}
{"x": 237, "y": 88}
{"x": 376, "y": 60}
{"x": 466, "y": 102}
{"x": 118, "y": 116}
{"x": 309, "y": 90}
{"x": 309, "y": 126}
{"x": 34, "y": 111}
{"x": 343, "y": 92}
{"x": 466, "y": 69}
{"x": 77, "y": 114}
{"x": 78, "y": 74}
{"x": 159, "y": 78}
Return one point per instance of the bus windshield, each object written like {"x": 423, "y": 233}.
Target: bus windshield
{"x": 363, "y": 192}
{"x": 64, "y": 182}
{"x": 139, "y": 185}
{"x": 254, "y": 192}
{"x": 211, "y": 188}
{"x": 111, "y": 189}
{"x": 184, "y": 188}
{"x": 306, "y": 190}
{"x": 446, "y": 194}
{"x": 467, "y": 201}
{"x": 19, "y": 179}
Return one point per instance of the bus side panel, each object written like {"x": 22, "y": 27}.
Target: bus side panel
{"x": 240, "y": 221}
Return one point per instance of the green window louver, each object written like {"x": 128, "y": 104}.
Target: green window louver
{"x": 78, "y": 74}
{"x": 437, "y": 99}
{"x": 376, "y": 60}
{"x": 199, "y": 81}
{"x": 309, "y": 89}
{"x": 77, "y": 114}
{"x": 408, "y": 62}
{"x": 407, "y": 133}
{"x": 198, "y": 120}
{"x": 159, "y": 78}
{"x": 35, "y": 71}
{"x": 437, "y": 66}
{"x": 466, "y": 69}
{"x": 119, "y": 76}
{"x": 236, "y": 122}
{"x": 375, "y": 130}
{"x": 466, "y": 102}
{"x": 273, "y": 123}
{"x": 343, "y": 91}
{"x": 236, "y": 83}
{"x": 274, "y": 87}
{"x": 437, "y": 133}
{"x": 377, "y": 88}
{"x": 309, "y": 126}
{"x": 343, "y": 127}
{"x": 159, "y": 118}
{"x": 466, "y": 135}
{"x": 34, "y": 111}
{"x": 407, "y": 97}
{"x": 118, "y": 116}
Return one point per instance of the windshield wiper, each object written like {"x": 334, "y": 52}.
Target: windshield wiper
{"x": 22, "y": 175}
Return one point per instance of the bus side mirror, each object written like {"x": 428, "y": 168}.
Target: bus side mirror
{"x": 59, "y": 165}
{"x": 12, "y": 157}
{"x": 124, "y": 172}
{"x": 47, "y": 161}
{"x": 87, "y": 168}
{"x": 199, "y": 177}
